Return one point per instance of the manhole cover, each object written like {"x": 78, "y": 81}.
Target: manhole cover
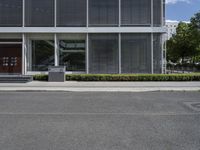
{"x": 193, "y": 105}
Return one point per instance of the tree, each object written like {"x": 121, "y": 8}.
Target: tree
{"x": 195, "y": 31}
{"x": 186, "y": 42}
{"x": 179, "y": 46}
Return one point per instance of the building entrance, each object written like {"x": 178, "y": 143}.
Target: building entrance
{"x": 10, "y": 58}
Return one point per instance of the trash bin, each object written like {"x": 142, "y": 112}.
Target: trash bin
{"x": 56, "y": 74}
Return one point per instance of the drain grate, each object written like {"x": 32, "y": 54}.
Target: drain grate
{"x": 193, "y": 105}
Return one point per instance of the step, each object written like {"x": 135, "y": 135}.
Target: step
{"x": 15, "y": 78}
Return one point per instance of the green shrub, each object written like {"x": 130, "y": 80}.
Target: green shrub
{"x": 40, "y": 77}
{"x": 126, "y": 77}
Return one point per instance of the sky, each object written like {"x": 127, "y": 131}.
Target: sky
{"x": 181, "y": 10}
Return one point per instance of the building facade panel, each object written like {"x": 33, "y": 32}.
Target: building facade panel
{"x": 157, "y": 53}
{"x": 11, "y": 13}
{"x": 103, "y": 12}
{"x": 71, "y": 13}
{"x": 136, "y": 53}
{"x": 136, "y": 12}
{"x": 103, "y": 53}
{"x": 39, "y": 13}
{"x": 157, "y": 13}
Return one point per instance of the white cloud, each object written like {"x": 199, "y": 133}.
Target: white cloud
{"x": 176, "y": 21}
{"x": 175, "y": 1}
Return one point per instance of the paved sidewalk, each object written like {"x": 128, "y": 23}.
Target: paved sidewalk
{"x": 101, "y": 86}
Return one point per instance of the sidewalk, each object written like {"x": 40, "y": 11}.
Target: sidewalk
{"x": 101, "y": 86}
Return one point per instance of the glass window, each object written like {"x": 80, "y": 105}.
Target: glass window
{"x": 136, "y": 53}
{"x": 103, "y": 12}
{"x": 136, "y": 12}
{"x": 11, "y": 13}
{"x": 72, "y": 54}
{"x": 103, "y": 53}
{"x": 157, "y": 52}
{"x": 42, "y": 54}
{"x": 71, "y": 13}
{"x": 157, "y": 18}
{"x": 39, "y": 13}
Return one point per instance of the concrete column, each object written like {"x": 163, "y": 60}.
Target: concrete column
{"x": 56, "y": 53}
{"x": 24, "y": 55}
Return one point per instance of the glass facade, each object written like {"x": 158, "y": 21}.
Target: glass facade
{"x": 72, "y": 54}
{"x": 157, "y": 15}
{"x": 39, "y": 13}
{"x": 103, "y": 53}
{"x": 136, "y": 12}
{"x": 11, "y": 13}
{"x": 136, "y": 53}
{"x": 71, "y": 13}
{"x": 42, "y": 54}
{"x": 103, "y": 12}
{"x": 86, "y": 48}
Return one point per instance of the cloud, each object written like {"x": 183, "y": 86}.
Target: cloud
{"x": 176, "y": 21}
{"x": 176, "y": 1}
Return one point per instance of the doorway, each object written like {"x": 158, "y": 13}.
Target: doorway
{"x": 10, "y": 58}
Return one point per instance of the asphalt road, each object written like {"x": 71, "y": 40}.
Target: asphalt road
{"x": 100, "y": 121}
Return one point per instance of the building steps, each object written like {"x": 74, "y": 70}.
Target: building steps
{"x": 15, "y": 78}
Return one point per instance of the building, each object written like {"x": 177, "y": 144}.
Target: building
{"x": 87, "y": 36}
{"x": 171, "y": 28}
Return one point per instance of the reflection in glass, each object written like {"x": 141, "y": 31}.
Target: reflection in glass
{"x": 72, "y": 54}
{"x": 42, "y": 54}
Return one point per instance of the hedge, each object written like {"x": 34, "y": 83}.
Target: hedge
{"x": 126, "y": 77}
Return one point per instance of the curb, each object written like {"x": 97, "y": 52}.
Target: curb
{"x": 197, "y": 89}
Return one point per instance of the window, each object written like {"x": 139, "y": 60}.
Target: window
{"x": 72, "y": 54}
{"x": 136, "y": 12}
{"x": 103, "y": 53}
{"x": 103, "y": 12}
{"x": 71, "y": 13}
{"x": 11, "y": 13}
{"x": 42, "y": 54}
{"x": 136, "y": 53}
{"x": 39, "y": 13}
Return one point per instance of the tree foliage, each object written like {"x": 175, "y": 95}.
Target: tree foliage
{"x": 185, "y": 45}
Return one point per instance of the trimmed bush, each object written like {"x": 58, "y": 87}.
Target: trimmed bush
{"x": 126, "y": 77}
{"x": 40, "y": 77}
